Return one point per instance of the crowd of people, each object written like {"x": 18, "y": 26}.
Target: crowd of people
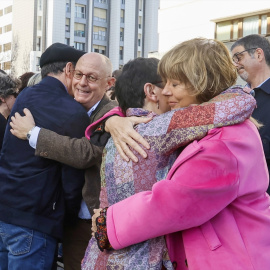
{"x": 162, "y": 164}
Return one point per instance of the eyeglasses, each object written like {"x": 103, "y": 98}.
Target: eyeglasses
{"x": 90, "y": 78}
{"x": 236, "y": 57}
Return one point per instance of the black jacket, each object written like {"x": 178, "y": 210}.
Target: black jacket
{"x": 262, "y": 114}
{"x": 35, "y": 192}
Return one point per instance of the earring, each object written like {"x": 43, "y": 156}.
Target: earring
{"x": 158, "y": 105}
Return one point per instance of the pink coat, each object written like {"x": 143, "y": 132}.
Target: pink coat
{"x": 212, "y": 207}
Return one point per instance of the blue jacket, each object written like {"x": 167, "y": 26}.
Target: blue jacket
{"x": 261, "y": 113}
{"x": 35, "y": 192}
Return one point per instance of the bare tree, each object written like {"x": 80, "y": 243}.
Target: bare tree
{"x": 26, "y": 60}
{"x": 14, "y": 53}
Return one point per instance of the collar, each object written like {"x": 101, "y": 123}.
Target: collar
{"x": 264, "y": 86}
{"x": 53, "y": 82}
{"x": 93, "y": 108}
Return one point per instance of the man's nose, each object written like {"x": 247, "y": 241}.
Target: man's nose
{"x": 83, "y": 80}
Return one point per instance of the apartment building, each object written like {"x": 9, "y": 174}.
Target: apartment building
{"x": 119, "y": 29}
{"x": 5, "y": 34}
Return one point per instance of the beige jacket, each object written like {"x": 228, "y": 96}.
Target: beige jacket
{"x": 78, "y": 153}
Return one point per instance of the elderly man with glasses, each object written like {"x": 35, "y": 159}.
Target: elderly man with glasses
{"x": 92, "y": 76}
{"x": 251, "y": 56}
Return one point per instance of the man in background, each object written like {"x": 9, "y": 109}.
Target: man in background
{"x": 251, "y": 56}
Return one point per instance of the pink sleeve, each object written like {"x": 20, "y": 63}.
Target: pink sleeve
{"x": 181, "y": 201}
{"x": 91, "y": 128}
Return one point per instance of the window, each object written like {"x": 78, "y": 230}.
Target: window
{"x": 102, "y": 1}
{"x": 67, "y": 6}
{"x": 8, "y": 10}
{"x": 7, "y": 47}
{"x": 40, "y": 3}
{"x": 140, "y": 22}
{"x": 264, "y": 24}
{"x": 0, "y": 30}
{"x": 99, "y": 49}
{"x": 100, "y": 15}
{"x": 223, "y": 31}
{"x": 122, "y": 16}
{"x": 38, "y": 44}
{"x": 121, "y": 53}
{"x": 79, "y": 30}
{"x": 140, "y": 5}
{"x": 123, "y": 2}
{"x": 80, "y": 46}
{"x": 234, "y": 29}
{"x": 67, "y": 40}
{"x": 7, "y": 65}
{"x": 251, "y": 25}
{"x": 0, "y": 48}
{"x": 67, "y": 25}
{"x": 1, "y": 12}
{"x": 7, "y": 28}
{"x": 39, "y": 22}
{"x": 121, "y": 34}
{"x": 80, "y": 11}
{"x": 99, "y": 33}
{"x": 139, "y": 40}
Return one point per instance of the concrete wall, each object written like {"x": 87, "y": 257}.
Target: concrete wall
{"x": 129, "y": 32}
{"x": 114, "y": 33}
{"x": 180, "y": 20}
{"x": 151, "y": 27}
{"x": 23, "y": 32}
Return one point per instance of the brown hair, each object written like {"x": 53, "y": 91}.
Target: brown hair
{"x": 203, "y": 65}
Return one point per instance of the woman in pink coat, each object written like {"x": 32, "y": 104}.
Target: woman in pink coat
{"x": 212, "y": 206}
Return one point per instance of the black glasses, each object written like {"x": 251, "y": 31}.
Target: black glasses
{"x": 89, "y": 77}
{"x": 236, "y": 57}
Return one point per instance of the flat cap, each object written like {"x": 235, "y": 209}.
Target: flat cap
{"x": 59, "y": 52}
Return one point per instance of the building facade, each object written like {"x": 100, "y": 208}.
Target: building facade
{"x": 119, "y": 29}
{"x": 5, "y": 34}
{"x": 225, "y": 20}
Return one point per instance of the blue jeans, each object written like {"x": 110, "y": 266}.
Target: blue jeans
{"x": 23, "y": 248}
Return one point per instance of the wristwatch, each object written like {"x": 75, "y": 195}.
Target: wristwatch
{"x": 28, "y": 135}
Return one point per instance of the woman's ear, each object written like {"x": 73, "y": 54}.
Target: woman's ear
{"x": 2, "y": 100}
{"x": 150, "y": 93}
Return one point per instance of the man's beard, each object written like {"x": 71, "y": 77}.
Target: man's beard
{"x": 244, "y": 76}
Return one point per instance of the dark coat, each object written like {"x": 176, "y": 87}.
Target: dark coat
{"x": 3, "y": 123}
{"x": 261, "y": 113}
{"x": 35, "y": 192}
{"x": 79, "y": 153}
